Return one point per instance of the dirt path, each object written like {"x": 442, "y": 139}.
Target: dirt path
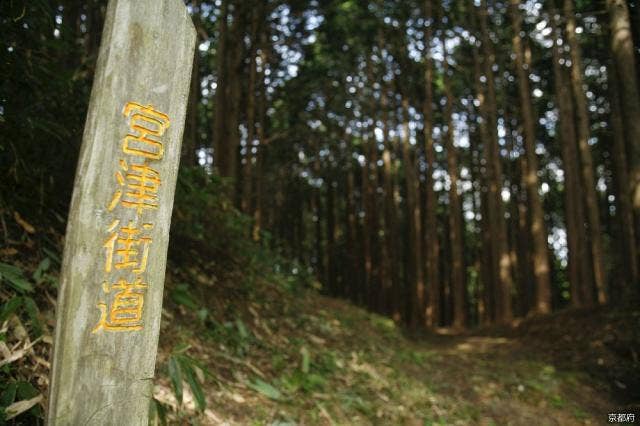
{"x": 313, "y": 360}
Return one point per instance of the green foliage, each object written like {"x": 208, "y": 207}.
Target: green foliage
{"x": 16, "y": 391}
{"x": 183, "y": 368}
{"x": 157, "y": 413}
{"x": 181, "y": 295}
{"x": 15, "y": 278}
{"x": 232, "y": 334}
{"x": 19, "y": 302}
{"x": 265, "y": 389}
{"x": 202, "y": 209}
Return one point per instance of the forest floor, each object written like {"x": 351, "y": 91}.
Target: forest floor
{"x": 279, "y": 355}
{"x": 246, "y": 346}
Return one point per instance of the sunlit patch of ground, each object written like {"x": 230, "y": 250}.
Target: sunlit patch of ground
{"x": 308, "y": 359}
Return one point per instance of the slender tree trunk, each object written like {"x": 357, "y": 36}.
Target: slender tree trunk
{"x": 222, "y": 156}
{"x": 626, "y": 78}
{"x": 586, "y": 160}
{"x": 579, "y": 260}
{"x": 71, "y": 33}
{"x": 351, "y": 228}
{"x": 432, "y": 245}
{"x": 492, "y": 306}
{"x": 234, "y": 101}
{"x": 414, "y": 221}
{"x": 247, "y": 175}
{"x": 331, "y": 237}
{"x": 391, "y": 286}
{"x": 455, "y": 207}
{"x": 367, "y": 225}
{"x": 624, "y": 207}
{"x": 520, "y": 219}
{"x": 262, "y": 118}
{"x": 541, "y": 268}
{"x": 373, "y": 224}
{"x": 502, "y": 260}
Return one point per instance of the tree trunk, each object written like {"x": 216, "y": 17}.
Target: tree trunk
{"x": 541, "y": 269}
{"x": 623, "y": 54}
{"x": 414, "y": 221}
{"x": 247, "y": 175}
{"x": 432, "y": 245}
{"x": 624, "y": 208}
{"x": 331, "y": 237}
{"x": 455, "y": 207}
{"x": 498, "y": 224}
{"x": 586, "y": 160}
{"x": 352, "y": 249}
{"x": 579, "y": 261}
{"x": 390, "y": 285}
{"x": 262, "y": 123}
{"x": 367, "y": 225}
{"x": 222, "y": 156}
{"x": 234, "y": 79}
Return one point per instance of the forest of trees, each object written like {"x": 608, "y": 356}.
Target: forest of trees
{"x": 453, "y": 163}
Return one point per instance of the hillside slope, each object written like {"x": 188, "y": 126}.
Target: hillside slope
{"x": 247, "y": 338}
{"x": 280, "y": 354}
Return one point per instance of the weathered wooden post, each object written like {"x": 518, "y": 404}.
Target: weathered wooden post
{"x": 108, "y": 312}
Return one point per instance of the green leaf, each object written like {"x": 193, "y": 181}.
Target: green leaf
{"x": 26, "y": 390}
{"x": 34, "y": 315}
{"x": 306, "y": 360}
{"x": 244, "y": 334}
{"x": 181, "y": 296}
{"x": 9, "y": 395}
{"x": 175, "y": 374}
{"x": 43, "y": 267}
{"x": 10, "y": 307}
{"x": 15, "y": 278}
{"x": 181, "y": 348}
{"x": 202, "y": 314}
{"x": 159, "y": 411}
{"x": 52, "y": 255}
{"x": 266, "y": 389}
{"x": 196, "y": 389}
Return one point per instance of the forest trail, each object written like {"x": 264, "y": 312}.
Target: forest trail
{"x": 281, "y": 355}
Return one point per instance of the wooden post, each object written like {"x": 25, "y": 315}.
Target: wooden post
{"x": 110, "y": 301}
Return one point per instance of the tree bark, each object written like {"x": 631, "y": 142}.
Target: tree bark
{"x": 541, "y": 268}
{"x": 221, "y": 154}
{"x": 331, "y": 237}
{"x": 502, "y": 260}
{"x": 414, "y": 219}
{"x": 455, "y": 206}
{"x": 261, "y": 133}
{"x": 391, "y": 285}
{"x": 586, "y": 160}
{"x": 432, "y": 245}
{"x": 247, "y": 175}
{"x": 623, "y": 54}
{"x": 624, "y": 207}
{"x": 579, "y": 261}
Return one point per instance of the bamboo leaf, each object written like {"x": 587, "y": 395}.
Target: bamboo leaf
{"x": 266, "y": 389}
{"x": 10, "y": 307}
{"x": 34, "y": 315}
{"x": 15, "y": 278}
{"x": 175, "y": 374}
{"x": 195, "y": 386}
